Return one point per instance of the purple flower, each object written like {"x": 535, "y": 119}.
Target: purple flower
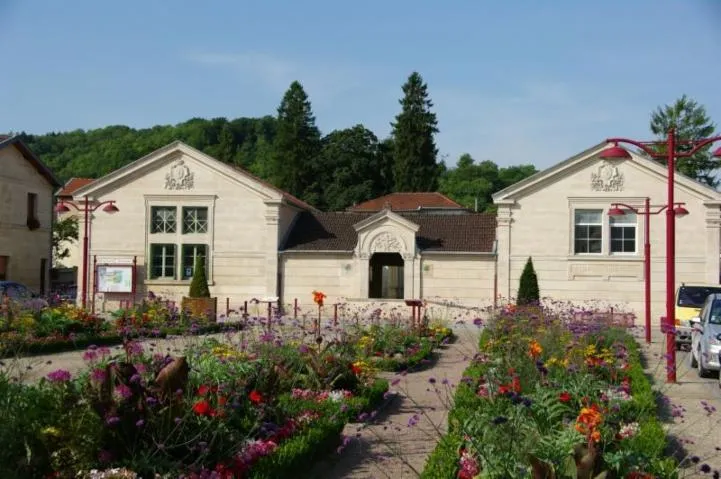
{"x": 123, "y": 392}
{"x": 478, "y": 322}
{"x": 112, "y": 420}
{"x": 432, "y": 380}
{"x": 59, "y": 376}
{"x": 98, "y": 375}
{"x": 139, "y": 423}
{"x": 413, "y": 420}
{"x": 90, "y": 355}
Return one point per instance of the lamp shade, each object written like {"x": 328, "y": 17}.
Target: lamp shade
{"x": 111, "y": 208}
{"x": 616, "y": 211}
{"x": 61, "y": 208}
{"x": 717, "y": 153}
{"x": 679, "y": 210}
{"x": 615, "y": 153}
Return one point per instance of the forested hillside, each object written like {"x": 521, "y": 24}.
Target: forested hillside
{"x": 331, "y": 171}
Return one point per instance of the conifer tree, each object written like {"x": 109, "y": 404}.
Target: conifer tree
{"x": 528, "y": 293}
{"x": 199, "y": 283}
{"x": 415, "y": 166}
{"x": 296, "y": 145}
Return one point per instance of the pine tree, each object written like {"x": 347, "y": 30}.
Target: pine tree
{"x": 415, "y": 166}
{"x": 199, "y": 283}
{"x": 296, "y": 144}
{"x": 691, "y": 123}
{"x": 528, "y": 293}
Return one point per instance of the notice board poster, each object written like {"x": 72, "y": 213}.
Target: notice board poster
{"x": 115, "y": 278}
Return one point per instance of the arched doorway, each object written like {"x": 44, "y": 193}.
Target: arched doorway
{"x": 385, "y": 276}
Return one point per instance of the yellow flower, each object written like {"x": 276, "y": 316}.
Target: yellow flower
{"x": 51, "y": 431}
{"x": 226, "y": 352}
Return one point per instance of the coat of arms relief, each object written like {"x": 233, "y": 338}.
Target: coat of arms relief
{"x": 607, "y": 178}
{"x": 179, "y": 177}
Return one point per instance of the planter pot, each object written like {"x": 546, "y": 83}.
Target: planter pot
{"x": 201, "y": 307}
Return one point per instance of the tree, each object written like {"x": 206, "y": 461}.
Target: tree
{"x": 199, "y": 283}
{"x": 473, "y": 184}
{"x": 691, "y": 123}
{"x": 528, "y": 293}
{"x": 350, "y": 168}
{"x": 65, "y": 231}
{"x": 415, "y": 166}
{"x": 296, "y": 145}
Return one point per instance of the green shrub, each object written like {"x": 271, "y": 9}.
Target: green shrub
{"x": 528, "y": 285}
{"x": 199, "y": 284}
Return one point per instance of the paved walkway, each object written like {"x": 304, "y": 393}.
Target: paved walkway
{"x": 694, "y": 407}
{"x": 389, "y": 447}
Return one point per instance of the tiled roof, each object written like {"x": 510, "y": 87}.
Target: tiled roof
{"x": 74, "y": 184}
{"x": 31, "y": 157}
{"x": 407, "y": 202}
{"x": 472, "y": 232}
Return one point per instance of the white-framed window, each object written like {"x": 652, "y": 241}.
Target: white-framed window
{"x": 162, "y": 261}
{"x": 191, "y": 252}
{"x": 623, "y": 233}
{"x": 179, "y": 230}
{"x": 588, "y": 231}
{"x": 195, "y": 219}
{"x": 164, "y": 219}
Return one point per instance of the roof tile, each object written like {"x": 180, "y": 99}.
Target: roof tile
{"x": 472, "y": 232}
{"x": 407, "y": 202}
{"x": 74, "y": 184}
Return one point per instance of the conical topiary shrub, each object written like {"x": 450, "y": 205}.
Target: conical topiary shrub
{"x": 198, "y": 304}
{"x": 199, "y": 284}
{"x": 528, "y": 293}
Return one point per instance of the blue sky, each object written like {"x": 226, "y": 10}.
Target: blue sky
{"x": 512, "y": 81}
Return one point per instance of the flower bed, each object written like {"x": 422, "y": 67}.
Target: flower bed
{"x": 67, "y": 327}
{"x": 394, "y": 348}
{"x": 262, "y": 409}
{"x": 552, "y": 397}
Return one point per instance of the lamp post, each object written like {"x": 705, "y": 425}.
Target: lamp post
{"x": 618, "y": 209}
{"x": 86, "y": 208}
{"x": 690, "y": 147}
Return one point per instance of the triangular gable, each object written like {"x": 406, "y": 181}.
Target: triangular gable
{"x": 167, "y": 152}
{"x": 548, "y": 175}
{"x": 32, "y": 158}
{"x": 386, "y": 214}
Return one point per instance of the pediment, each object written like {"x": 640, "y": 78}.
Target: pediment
{"x": 178, "y": 168}
{"x": 385, "y": 217}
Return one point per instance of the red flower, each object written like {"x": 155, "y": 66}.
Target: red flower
{"x": 516, "y": 384}
{"x": 503, "y": 389}
{"x": 203, "y": 390}
{"x": 203, "y": 408}
{"x": 356, "y": 369}
{"x": 318, "y": 297}
{"x": 564, "y": 396}
{"x": 255, "y": 397}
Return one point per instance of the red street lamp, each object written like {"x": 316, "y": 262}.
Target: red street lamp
{"x": 619, "y": 209}
{"x": 670, "y": 155}
{"x": 86, "y": 208}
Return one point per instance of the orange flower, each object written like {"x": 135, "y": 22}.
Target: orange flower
{"x": 595, "y": 436}
{"x": 534, "y": 349}
{"x": 588, "y": 420}
{"x": 318, "y": 297}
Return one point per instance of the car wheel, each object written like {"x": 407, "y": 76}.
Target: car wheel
{"x": 702, "y": 371}
{"x": 692, "y": 359}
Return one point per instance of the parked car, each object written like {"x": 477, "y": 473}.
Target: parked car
{"x": 706, "y": 337}
{"x": 689, "y": 301}
{"x": 20, "y": 293}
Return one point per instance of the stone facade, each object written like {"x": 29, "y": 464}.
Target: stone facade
{"x": 26, "y": 216}
{"x": 543, "y": 217}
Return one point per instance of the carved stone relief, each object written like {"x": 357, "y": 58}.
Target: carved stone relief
{"x": 179, "y": 177}
{"x": 607, "y": 178}
{"x": 386, "y": 243}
